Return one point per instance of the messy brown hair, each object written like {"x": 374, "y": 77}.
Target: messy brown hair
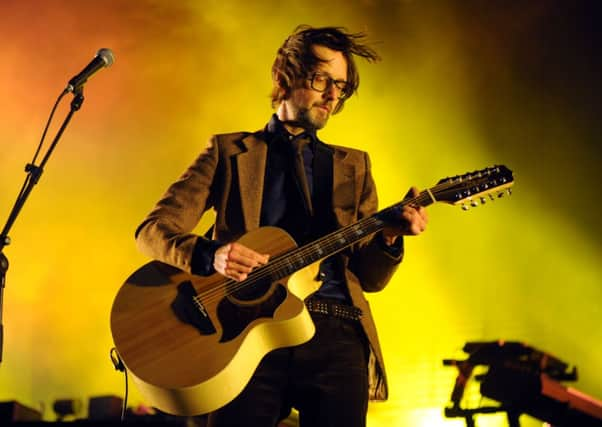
{"x": 296, "y": 59}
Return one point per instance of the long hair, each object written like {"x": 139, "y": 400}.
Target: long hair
{"x": 296, "y": 60}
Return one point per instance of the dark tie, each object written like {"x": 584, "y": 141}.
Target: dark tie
{"x": 303, "y": 160}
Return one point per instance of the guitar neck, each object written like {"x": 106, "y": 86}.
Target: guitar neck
{"x": 342, "y": 238}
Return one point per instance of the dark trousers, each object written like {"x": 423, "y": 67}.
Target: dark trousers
{"x": 325, "y": 379}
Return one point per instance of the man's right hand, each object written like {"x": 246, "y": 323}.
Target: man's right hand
{"x": 236, "y": 261}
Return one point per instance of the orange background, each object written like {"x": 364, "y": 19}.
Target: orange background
{"x": 462, "y": 85}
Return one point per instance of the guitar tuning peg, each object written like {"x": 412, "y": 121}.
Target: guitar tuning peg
{"x": 464, "y": 207}
{"x": 474, "y": 203}
{"x": 483, "y": 200}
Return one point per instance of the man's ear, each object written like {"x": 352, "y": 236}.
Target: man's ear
{"x": 284, "y": 91}
{"x": 284, "y": 88}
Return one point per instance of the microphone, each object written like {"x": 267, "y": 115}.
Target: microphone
{"x": 104, "y": 58}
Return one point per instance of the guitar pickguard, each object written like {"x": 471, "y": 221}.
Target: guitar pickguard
{"x": 191, "y": 311}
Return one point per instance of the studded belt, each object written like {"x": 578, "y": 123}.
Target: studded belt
{"x": 334, "y": 309}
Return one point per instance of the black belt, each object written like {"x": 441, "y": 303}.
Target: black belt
{"x": 341, "y": 311}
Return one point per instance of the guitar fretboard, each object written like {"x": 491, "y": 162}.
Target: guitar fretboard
{"x": 338, "y": 240}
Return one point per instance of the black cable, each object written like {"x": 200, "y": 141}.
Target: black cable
{"x": 35, "y": 156}
{"x": 119, "y": 366}
{"x": 125, "y": 400}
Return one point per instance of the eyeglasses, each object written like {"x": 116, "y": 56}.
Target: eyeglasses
{"x": 322, "y": 82}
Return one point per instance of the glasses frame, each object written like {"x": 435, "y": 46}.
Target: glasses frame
{"x": 341, "y": 85}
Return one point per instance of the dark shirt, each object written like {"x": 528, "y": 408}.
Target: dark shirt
{"x": 284, "y": 204}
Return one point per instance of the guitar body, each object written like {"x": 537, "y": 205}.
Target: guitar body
{"x": 192, "y": 343}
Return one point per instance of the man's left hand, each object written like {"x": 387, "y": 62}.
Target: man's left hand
{"x": 412, "y": 221}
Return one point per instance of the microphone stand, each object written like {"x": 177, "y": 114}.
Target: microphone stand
{"x": 33, "y": 176}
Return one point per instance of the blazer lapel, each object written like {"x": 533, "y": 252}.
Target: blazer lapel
{"x": 344, "y": 191}
{"x": 251, "y": 172}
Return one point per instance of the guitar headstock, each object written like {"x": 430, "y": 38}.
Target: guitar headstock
{"x": 474, "y": 187}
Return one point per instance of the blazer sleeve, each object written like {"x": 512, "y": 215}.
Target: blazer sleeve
{"x": 166, "y": 233}
{"x": 372, "y": 261}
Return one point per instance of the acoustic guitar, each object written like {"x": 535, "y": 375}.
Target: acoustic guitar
{"x": 192, "y": 343}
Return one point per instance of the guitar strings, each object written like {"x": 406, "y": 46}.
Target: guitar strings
{"x": 278, "y": 263}
{"x": 281, "y": 261}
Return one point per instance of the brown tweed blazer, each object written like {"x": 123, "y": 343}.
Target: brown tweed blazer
{"x": 228, "y": 177}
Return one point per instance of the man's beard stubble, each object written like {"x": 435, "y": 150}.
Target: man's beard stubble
{"x": 310, "y": 123}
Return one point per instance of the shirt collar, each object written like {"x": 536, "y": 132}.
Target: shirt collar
{"x": 275, "y": 129}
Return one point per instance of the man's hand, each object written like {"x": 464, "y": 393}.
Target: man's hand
{"x": 412, "y": 221}
{"x": 236, "y": 261}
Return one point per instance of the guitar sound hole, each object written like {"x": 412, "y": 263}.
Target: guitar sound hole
{"x": 251, "y": 290}
{"x": 234, "y": 317}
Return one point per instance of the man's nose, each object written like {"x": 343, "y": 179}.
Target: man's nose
{"x": 332, "y": 92}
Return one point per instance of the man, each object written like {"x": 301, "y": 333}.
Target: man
{"x": 284, "y": 176}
